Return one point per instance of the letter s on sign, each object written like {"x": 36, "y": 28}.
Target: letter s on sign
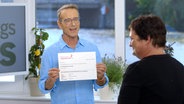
{"x": 7, "y": 53}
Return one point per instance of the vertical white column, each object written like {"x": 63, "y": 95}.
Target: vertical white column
{"x": 120, "y": 28}
{"x": 30, "y": 22}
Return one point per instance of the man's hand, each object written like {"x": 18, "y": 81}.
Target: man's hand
{"x": 101, "y": 69}
{"x": 53, "y": 76}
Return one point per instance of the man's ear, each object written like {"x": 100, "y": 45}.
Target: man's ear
{"x": 59, "y": 24}
{"x": 149, "y": 40}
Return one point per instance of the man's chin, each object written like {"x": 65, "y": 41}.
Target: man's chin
{"x": 134, "y": 54}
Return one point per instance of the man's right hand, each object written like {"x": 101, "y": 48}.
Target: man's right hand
{"x": 53, "y": 76}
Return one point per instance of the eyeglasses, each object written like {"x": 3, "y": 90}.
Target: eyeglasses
{"x": 68, "y": 21}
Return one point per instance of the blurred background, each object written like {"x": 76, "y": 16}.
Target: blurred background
{"x": 98, "y": 22}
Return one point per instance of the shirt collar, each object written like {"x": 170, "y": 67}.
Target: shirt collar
{"x": 63, "y": 44}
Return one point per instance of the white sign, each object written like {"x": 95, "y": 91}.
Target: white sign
{"x": 77, "y": 66}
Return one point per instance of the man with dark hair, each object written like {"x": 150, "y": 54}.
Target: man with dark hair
{"x": 157, "y": 78}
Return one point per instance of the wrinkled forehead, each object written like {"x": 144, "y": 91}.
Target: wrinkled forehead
{"x": 69, "y": 13}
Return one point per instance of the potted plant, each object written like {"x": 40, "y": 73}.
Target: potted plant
{"x": 34, "y": 58}
{"x": 36, "y": 52}
{"x": 115, "y": 70}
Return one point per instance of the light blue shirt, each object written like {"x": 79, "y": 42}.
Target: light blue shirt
{"x": 69, "y": 92}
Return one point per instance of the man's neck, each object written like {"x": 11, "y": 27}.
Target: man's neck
{"x": 70, "y": 41}
{"x": 155, "y": 51}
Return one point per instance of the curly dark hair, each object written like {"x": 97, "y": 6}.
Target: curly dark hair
{"x": 150, "y": 26}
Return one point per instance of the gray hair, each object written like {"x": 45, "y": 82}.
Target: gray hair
{"x": 66, "y": 6}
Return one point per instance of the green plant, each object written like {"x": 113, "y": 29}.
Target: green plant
{"x": 169, "y": 49}
{"x": 36, "y": 52}
{"x": 115, "y": 70}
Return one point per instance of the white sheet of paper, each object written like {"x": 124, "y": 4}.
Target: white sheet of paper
{"x": 77, "y": 66}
